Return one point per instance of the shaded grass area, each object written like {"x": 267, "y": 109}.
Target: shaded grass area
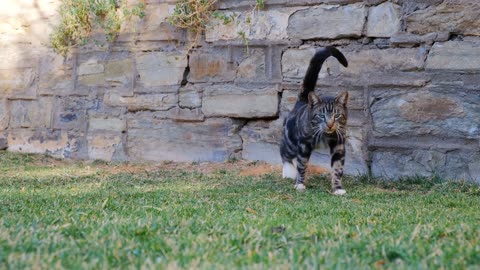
{"x": 79, "y": 215}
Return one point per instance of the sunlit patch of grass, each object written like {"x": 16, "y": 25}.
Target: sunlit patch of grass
{"x": 72, "y": 216}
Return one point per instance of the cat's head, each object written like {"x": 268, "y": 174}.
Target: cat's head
{"x": 329, "y": 114}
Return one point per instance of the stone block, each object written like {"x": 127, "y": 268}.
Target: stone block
{"x": 262, "y": 131}
{"x": 3, "y": 141}
{"x": 289, "y": 98}
{"x": 41, "y": 141}
{"x": 328, "y": 22}
{"x": 138, "y": 102}
{"x": 253, "y": 67}
{"x": 90, "y": 67}
{"x": 119, "y": 72}
{"x": 112, "y": 125}
{"x": 186, "y": 115}
{"x": 70, "y": 113}
{"x": 18, "y": 83}
{"x": 428, "y": 112}
{"x": 295, "y": 63}
{"x": 161, "y": 68}
{"x": 4, "y": 115}
{"x": 56, "y": 75}
{"x": 455, "y": 56}
{"x": 262, "y": 151}
{"x": 155, "y": 139}
{"x": 459, "y": 17}
{"x": 104, "y": 146}
{"x": 234, "y": 101}
{"x": 190, "y": 97}
{"x": 263, "y": 25}
{"x": 154, "y": 26}
{"x": 384, "y": 20}
{"x": 404, "y": 39}
{"x": 31, "y": 113}
{"x": 361, "y": 63}
{"x": 214, "y": 66}
{"x": 18, "y": 56}
{"x": 91, "y": 70}
{"x": 235, "y": 4}
{"x": 453, "y": 164}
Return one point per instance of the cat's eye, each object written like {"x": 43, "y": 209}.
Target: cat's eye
{"x": 338, "y": 116}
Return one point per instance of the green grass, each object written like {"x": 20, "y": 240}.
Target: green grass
{"x": 79, "y": 215}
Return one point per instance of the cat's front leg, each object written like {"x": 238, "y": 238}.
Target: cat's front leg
{"x": 338, "y": 161}
{"x": 302, "y": 160}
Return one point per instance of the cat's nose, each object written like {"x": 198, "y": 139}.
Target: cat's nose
{"x": 330, "y": 124}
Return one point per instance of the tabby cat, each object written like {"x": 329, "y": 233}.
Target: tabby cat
{"x": 315, "y": 120}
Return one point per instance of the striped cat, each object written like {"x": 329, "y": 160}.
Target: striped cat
{"x": 314, "y": 120}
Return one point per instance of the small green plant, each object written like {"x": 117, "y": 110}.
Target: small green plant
{"x": 223, "y": 17}
{"x": 80, "y": 18}
{"x": 260, "y": 4}
{"x": 243, "y": 36}
{"x": 194, "y": 15}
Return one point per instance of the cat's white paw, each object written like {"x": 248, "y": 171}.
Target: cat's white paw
{"x": 340, "y": 192}
{"x": 300, "y": 187}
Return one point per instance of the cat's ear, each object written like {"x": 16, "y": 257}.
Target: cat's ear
{"x": 342, "y": 98}
{"x": 313, "y": 99}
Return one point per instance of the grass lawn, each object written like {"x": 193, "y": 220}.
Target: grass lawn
{"x": 57, "y": 214}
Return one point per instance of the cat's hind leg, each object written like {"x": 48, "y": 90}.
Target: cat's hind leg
{"x": 290, "y": 169}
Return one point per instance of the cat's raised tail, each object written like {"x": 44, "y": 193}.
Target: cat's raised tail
{"x": 316, "y": 63}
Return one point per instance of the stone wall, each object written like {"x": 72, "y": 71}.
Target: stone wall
{"x": 413, "y": 80}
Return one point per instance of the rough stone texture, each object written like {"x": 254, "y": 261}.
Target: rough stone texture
{"x": 4, "y": 115}
{"x": 384, "y": 20}
{"x": 264, "y": 25}
{"x": 3, "y": 141}
{"x": 161, "y": 68}
{"x": 234, "y": 101}
{"x": 328, "y": 22}
{"x": 211, "y": 67}
{"x": 17, "y": 83}
{"x": 212, "y": 140}
{"x": 295, "y": 63}
{"x": 56, "y": 75}
{"x": 119, "y": 73}
{"x": 252, "y": 68}
{"x": 104, "y": 146}
{"x": 29, "y": 141}
{"x": 70, "y": 113}
{"x": 459, "y": 17}
{"x": 154, "y": 102}
{"x": 186, "y": 115}
{"x": 31, "y": 114}
{"x": 440, "y": 112}
{"x": 154, "y": 26}
{"x": 107, "y": 124}
{"x": 262, "y": 151}
{"x": 362, "y": 63}
{"x": 449, "y": 164}
{"x": 454, "y": 55}
{"x": 378, "y": 61}
{"x": 403, "y": 39}
{"x": 190, "y": 97}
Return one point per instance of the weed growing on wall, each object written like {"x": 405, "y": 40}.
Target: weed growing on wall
{"x": 194, "y": 15}
{"x": 80, "y": 18}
